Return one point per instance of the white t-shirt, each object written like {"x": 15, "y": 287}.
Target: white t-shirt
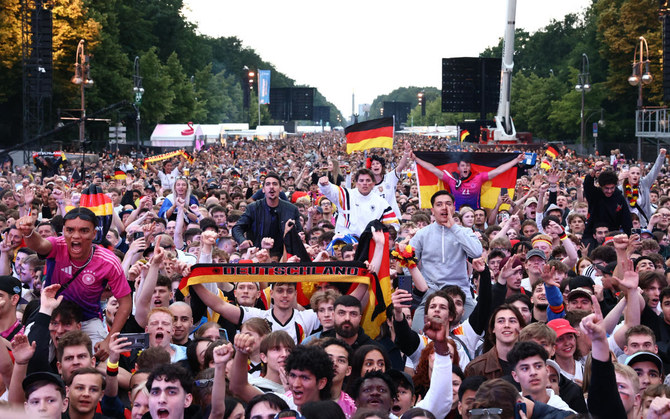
{"x": 300, "y": 325}
{"x": 168, "y": 180}
{"x": 386, "y": 189}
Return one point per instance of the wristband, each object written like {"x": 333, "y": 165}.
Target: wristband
{"x": 114, "y": 365}
{"x": 112, "y": 373}
{"x": 563, "y": 236}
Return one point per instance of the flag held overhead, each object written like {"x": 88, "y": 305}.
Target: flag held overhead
{"x": 376, "y": 133}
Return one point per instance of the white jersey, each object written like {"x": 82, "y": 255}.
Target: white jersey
{"x": 355, "y": 211}
{"x": 300, "y": 325}
{"x": 386, "y": 189}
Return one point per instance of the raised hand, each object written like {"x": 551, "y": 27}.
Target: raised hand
{"x": 549, "y": 276}
{"x": 48, "y": 299}
{"x": 223, "y": 354}
{"x": 117, "y": 345}
{"x": 22, "y": 349}
{"x": 479, "y": 264}
{"x": 208, "y": 238}
{"x": 244, "y": 343}
{"x": 159, "y": 253}
{"x": 267, "y": 243}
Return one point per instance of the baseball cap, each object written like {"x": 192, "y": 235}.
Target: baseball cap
{"x": 401, "y": 378}
{"x": 645, "y": 356}
{"x": 10, "y": 285}
{"x": 580, "y": 292}
{"x": 581, "y": 281}
{"x": 553, "y": 364}
{"x": 536, "y": 252}
{"x": 561, "y": 327}
{"x": 531, "y": 200}
{"x": 42, "y": 376}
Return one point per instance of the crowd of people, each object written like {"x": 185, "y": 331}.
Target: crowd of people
{"x": 555, "y": 303}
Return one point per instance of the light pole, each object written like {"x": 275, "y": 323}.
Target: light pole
{"x": 583, "y": 86}
{"x": 601, "y": 123}
{"x": 639, "y": 77}
{"x": 82, "y": 77}
{"x": 138, "y": 91}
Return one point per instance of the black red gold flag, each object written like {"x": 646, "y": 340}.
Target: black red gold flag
{"x": 479, "y": 162}
{"x": 376, "y": 133}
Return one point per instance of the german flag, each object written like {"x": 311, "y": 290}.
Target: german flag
{"x": 552, "y": 152}
{"x": 94, "y": 199}
{"x": 479, "y": 162}
{"x": 380, "y": 289}
{"x": 464, "y": 134}
{"x": 377, "y": 133}
{"x": 545, "y": 165}
{"x": 119, "y": 174}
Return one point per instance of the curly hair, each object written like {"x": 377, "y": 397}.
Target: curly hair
{"x": 315, "y": 360}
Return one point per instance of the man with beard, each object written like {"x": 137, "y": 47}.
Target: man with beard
{"x": 266, "y": 218}
{"x": 348, "y": 316}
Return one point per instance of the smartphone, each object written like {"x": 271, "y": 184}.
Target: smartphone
{"x": 519, "y": 407}
{"x": 223, "y": 334}
{"x": 405, "y": 283}
{"x": 138, "y": 235}
{"x": 139, "y": 340}
{"x": 636, "y": 231}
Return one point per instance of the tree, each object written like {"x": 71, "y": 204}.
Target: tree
{"x": 158, "y": 98}
{"x": 183, "y": 107}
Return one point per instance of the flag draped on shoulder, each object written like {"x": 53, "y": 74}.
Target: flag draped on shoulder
{"x": 479, "y": 162}
{"x": 94, "y": 199}
{"x": 376, "y": 133}
{"x": 380, "y": 289}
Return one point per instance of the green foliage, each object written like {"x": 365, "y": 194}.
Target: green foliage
{"x": 402, "y": 94}
{"x": 158, "y": 98}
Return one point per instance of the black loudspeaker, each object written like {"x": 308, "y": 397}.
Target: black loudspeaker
{"x": 280, "y": 103}
{"x": 470, "y": 84}
{"x": 39, "y": 69}
{"x": 321, "y": 114}
{"x": 666, "y": 57}
{"x": 302, "y": 103}
{"x": 399, "y": 110}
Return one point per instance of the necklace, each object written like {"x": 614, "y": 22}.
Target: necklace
{"x": 90, "y": 257}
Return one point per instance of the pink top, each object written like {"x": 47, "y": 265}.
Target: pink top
{"x": 347, "y": 404}
{"x": 86, "y": 290}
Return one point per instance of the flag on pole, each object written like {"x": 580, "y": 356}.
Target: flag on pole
{"x": 264, "y": 87}
{"x": 376, "y": 133}
{"x": 479, "y": 162}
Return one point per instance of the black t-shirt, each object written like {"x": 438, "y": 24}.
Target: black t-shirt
{"x": 506, "y": 367}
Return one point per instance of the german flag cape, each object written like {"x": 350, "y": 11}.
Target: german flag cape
{"x": 94, "y": 199}
{"x": 376, "y": 133}
{"x": 380, "y": 285}
{"x": 480, "y": 162}
{"x": 203, "y": 273}
{"x": 166, "y": 156}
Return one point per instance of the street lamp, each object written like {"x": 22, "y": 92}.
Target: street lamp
{"x": 639, "y": 77}
{"x": 583, "y": 86}
{"x": 82, "y": 77}
{"x": 138, "y": 91}
{"x": 601, "y": 123}
{"x": 422, "y": 102}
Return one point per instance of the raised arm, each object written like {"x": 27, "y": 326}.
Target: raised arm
{"x": 222, "y": 355}
{"x": 239, "y": 381}
{"x": 143, "y": 301}
{"x": 428, "y": 166}
{"x": 405, "y": 160}
{"x": 26, "y": 226}
{"x": 229, "y": 311}
{"x": 505, "y": 167}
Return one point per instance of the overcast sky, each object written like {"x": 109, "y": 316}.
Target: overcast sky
{"x": 369, "y": 47}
